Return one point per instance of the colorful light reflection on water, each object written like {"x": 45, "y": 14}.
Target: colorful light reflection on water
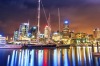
{"x": 75, "y": 56}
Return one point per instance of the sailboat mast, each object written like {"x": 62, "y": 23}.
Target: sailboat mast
{"x": 59, "y": 18}
{"x": 49, "y": 21}
{"x": 49, "y": 26}
{"x": 38, "y": 20}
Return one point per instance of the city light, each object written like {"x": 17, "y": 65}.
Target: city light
{"x": 49, "y": 33}
{"x": 34, "y": 27}
{"x": 0, "y": 35}
{"x": 66, "y": 22}
{"x": 46, "y": 26}
{"x": 55, "y": 33}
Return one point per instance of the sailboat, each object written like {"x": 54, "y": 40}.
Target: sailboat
{"x": 37, "y": 43}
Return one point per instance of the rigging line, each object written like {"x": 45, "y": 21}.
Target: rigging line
{"x": 44, "y": 12}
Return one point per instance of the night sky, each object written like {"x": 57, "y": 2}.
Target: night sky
{"x": 83, "y": 15}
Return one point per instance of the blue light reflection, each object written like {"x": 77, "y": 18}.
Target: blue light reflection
{"x": 75, "y": 56}
{"x": 55, "y": 58}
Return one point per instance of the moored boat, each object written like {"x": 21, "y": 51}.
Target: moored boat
{"x": 96, "y": 54}
{"x": 40, "y": 46}
{"x": 63, "y": 45}
{"x": 8, "y": 46}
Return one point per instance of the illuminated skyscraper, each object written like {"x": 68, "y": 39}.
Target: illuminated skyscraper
{"x": 66, "y": 31}
{"x": 47, "y": 31}
{"x": 23, "y": 30}
{"x": 33, "y": 31}
{"x": 96, "y": 33}
{"x": 16, "y": 35}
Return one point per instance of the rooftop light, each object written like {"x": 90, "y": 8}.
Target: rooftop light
{"x": 34, "y": 27}
{"x": 66, "y": 22}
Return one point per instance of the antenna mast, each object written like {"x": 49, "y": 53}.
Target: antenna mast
{"x": 38, "y": 20}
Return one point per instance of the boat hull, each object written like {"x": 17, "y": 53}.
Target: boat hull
{"x": 40, "y": 46}
{"x": 8, "y": 46}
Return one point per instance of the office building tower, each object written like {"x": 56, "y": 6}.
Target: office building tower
{"x": 96, "y": 33}
{"x": 16, "y": 35}
{"x": 33, "y": 31}
{"x": 66, "y": 31}
{"x": 23, "y": 30}
{"x": 47, "y": 31}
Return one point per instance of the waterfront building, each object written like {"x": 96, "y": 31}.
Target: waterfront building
{"x": 47, "y": 34}
{"x": 72, "y": 34}
{"x": 66, "y": 35}
{"x": 16, "y": 35}
{"x": 80, "y": 35}
{"x": 2, "y": 40}
{"x": 47, "y": 31}
{"x": 96, "y": 33}
{"x": 56, "y": 37}
{"x": 66, "y": 31}
{"x": 25, "y": 35}
{"x": 33, "y": 32}
{"x": 23, "y": 31}
{"x": 81, "y": 38}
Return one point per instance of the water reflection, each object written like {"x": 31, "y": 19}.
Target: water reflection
{"x": 45, "y": 58}
{"x": 40, "y": 57}
{"x": 75, "y": 56}
{"x": 55, "y": 58}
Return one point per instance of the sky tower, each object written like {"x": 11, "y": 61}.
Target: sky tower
{"x": 66, "y": 31}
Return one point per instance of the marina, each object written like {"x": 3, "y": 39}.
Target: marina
{"x": 30, "y": 46}
{"x": 49, "y": 33}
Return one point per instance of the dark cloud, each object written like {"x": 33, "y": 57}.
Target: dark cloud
{"x": 47, "y": 3}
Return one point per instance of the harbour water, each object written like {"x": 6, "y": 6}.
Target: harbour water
{"x": 73, "y": 56}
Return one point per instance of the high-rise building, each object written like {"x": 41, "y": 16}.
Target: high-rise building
{"x": 96, "y": 33}
{"x": 72, "y": 34}
{"x": 2, "y": 40}
{"x": 47, "y": 31}
{"x": 23, "y": 30}
{"x": 66, "y": 31}
{"x": 56, "y": 36}
{"x": 80, "y": 35}
{"x": 16, "y": 35}
{"x": 33, "y": 31}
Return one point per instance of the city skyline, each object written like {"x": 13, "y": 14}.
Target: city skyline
{"x": 83, "y": 15}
